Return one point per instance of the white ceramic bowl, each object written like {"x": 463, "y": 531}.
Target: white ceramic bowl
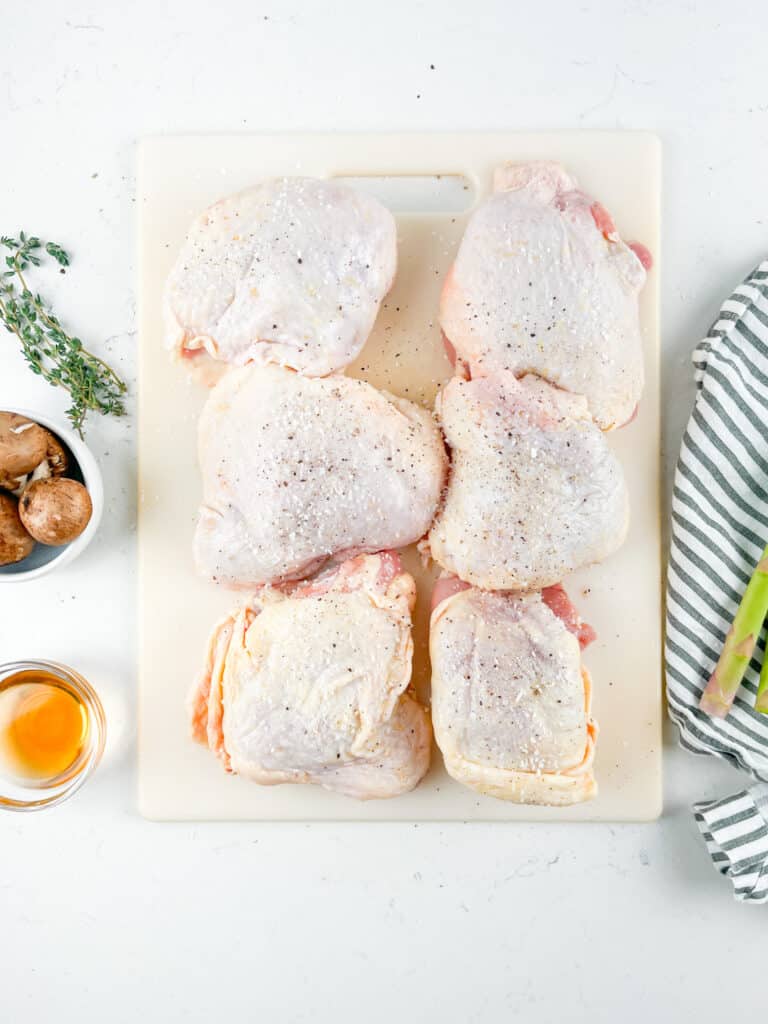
{"x": 83, "y": 466}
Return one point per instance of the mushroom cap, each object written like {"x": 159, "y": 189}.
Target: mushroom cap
{"x": 55, "y": 463}
{"x": 23, "y": 446}
{"x": 56, "y": 510}
{"x": 15, "y": 542}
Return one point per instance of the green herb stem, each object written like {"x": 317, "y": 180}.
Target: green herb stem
{"x": 52, "y": 353}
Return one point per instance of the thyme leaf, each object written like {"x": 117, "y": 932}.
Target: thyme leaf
{"x": 51, "y": 352}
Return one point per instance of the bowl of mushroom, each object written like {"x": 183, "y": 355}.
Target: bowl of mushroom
{"x": 51, "y": 495}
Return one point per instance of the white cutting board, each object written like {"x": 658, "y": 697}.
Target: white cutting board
{"x": 179, "y": 177}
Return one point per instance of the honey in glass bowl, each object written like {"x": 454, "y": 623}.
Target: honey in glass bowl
{"x": 43, "y": 727}
{"x": 51, "y": 734}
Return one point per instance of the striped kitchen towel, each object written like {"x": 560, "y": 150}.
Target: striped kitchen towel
{"x": 719, "y": 530}
{"x": 736, "y": 833}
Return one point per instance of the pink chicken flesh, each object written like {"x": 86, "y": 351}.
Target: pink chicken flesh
{"x": 543, "y": 284}
{"x": 310, "y": 685}
{"x": 510, "y": 698}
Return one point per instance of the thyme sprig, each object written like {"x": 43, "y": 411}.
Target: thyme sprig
{"x": 50, "y": 351}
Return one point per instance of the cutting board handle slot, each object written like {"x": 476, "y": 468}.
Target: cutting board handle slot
{"x": 416, "y": 193}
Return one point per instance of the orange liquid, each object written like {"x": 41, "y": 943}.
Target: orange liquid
{"x": 43, "y": 727}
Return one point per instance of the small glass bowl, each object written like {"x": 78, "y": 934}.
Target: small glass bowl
{"x": 36, "y": 795}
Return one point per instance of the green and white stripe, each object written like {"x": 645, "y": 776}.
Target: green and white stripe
{"x": 719, "y": 530}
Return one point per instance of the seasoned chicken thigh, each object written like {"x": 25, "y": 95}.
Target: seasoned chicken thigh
{"x": 297, "y": 469}
{"x": 510, "y": 699}
{"x": 311, "y": 685}
{"x": 534, "y": 490}
{"x": 291, "y": 271}
{"x": 543, "y": 283}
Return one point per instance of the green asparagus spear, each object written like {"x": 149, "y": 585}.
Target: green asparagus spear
{"x": 720, "y": 691}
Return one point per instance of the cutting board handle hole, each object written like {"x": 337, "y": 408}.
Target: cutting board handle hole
{"x": 416, "y": 193}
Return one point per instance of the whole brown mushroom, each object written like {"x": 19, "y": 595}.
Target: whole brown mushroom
{"x": 55, "y": 511}
{"x": 23, "y": 446}
{"x": 15, "y": 542}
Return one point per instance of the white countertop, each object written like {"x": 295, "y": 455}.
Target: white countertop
{"x": 107, "y": 917}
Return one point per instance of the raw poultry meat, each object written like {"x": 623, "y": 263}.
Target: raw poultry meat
{"x": 297, "y": 469}
{"x": 534, "y": 490}
{"x": 543, "y": 284}
{"x": 510, "y": 698}
{"x": 311, "y": 684}
{"x": 291, "y": 271}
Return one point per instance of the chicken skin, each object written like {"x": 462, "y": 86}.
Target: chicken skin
{"x": 534, "y": 490}
{"x": 298, "y": 469}
{"x": 291, "y": 272}
{"x": 310, "y": 684}
{"x": 510, "y": 698}
{"x": 543, "y": 284}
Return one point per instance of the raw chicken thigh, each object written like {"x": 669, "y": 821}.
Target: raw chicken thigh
{"x": 543, "y": 284}
{"x": 298, "y": 469}
{"x": 312, "y": 685}
{"x": 534, "y": 490}
{"x": 291, "y": 271}
{"x": 510, "y": 699}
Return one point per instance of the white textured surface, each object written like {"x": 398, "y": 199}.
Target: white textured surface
{"x": 109, "y": 917}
